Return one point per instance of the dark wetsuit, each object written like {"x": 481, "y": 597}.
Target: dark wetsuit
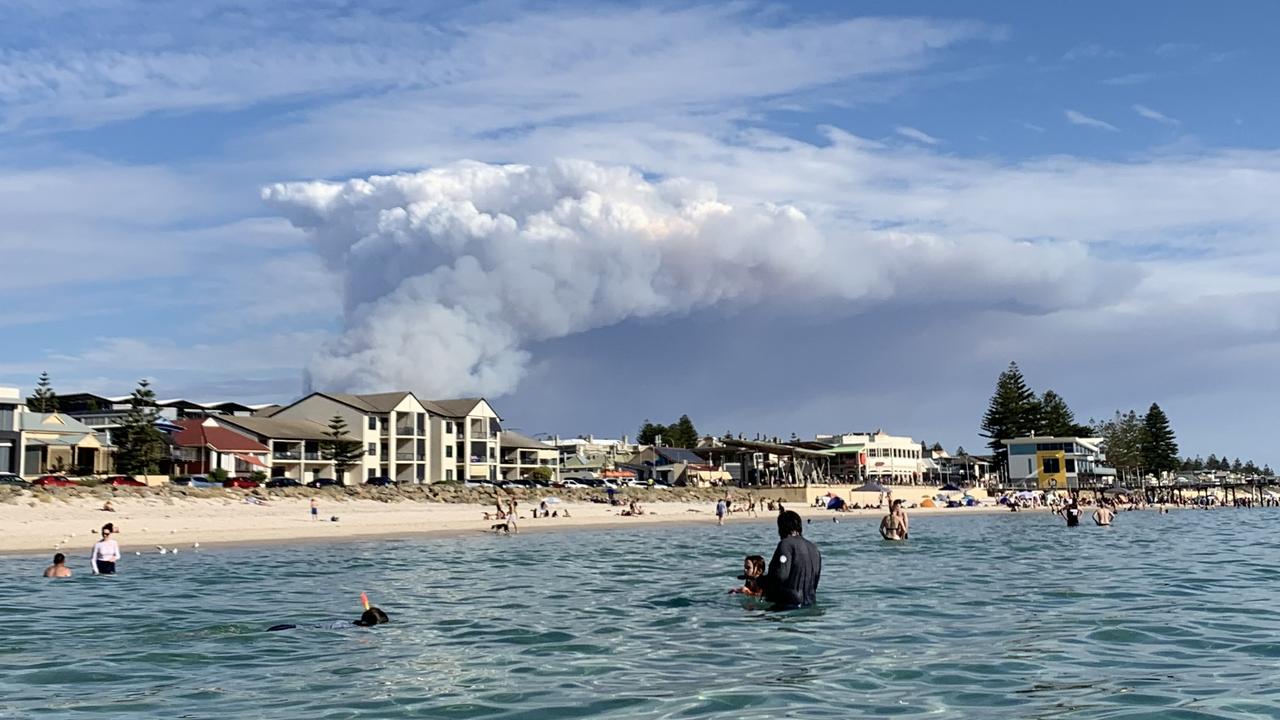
{"x": 792, "y": 580}
{"x": 1073, "y": 516}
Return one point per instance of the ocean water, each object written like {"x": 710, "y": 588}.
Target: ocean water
{"x": 977, "y": 616}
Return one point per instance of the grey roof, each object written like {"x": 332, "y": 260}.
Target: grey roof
{"x": 460, "y": 407}
{"x": 267, "y": 410}
{"x": 510, "y": 439}
{"x": 277, "y": 428}
{"x": 375, "y": 403}
{"x": 34, "y": 422}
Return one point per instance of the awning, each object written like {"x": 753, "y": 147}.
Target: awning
{"x": 251, "y": 460}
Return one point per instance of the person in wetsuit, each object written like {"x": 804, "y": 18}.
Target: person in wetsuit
{"x": 1072, "y": 513}
{"x": 792, "y": 580}
{"x": 369, "y": 618}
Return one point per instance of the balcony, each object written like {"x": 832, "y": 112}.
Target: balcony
{"x": 313, "y": 456}
{"x": 406, "y": 456}
{"x": 286, "y": 455}
{"x": 405, "y": 430}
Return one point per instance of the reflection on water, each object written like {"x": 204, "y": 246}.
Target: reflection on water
{"x": 999, "y": 616}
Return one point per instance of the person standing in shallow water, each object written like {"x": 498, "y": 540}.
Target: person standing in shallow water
{"x": 1071, "y": 511}
{"x": 894, "y": 525}
{"x": 58, "y": 568}
{"x": 105, "y": 553}
{"x": 796, "y": 567}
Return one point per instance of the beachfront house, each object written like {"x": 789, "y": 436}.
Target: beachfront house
{"x": 10, "y": 435}
{"x": 877, "y": 456}
{"x": 201, "y": 446}
{"x": 294, "y": 447}
{"x": 106, "y": 413}
{"x": 469, "y": 444}
{"x": 521, "y": 454}
{"x": 1057, "y": 463}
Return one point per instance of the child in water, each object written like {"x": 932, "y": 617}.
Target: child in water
{"x": 752, "y": 577}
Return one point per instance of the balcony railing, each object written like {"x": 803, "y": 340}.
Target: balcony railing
{"x": 405, "y": 430}
{"x": 405, "y": 456}
{"x": 314, "y": 456}
{"x": 286, "y": 455}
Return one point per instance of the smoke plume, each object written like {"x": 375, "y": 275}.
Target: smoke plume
{"x": 452, "y": 274}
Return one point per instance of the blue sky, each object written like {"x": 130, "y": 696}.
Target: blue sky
{"x": 1085, "y": 188}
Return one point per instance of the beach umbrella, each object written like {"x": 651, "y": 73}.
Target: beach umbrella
{"x": 951, "y": 487}
{"x": 551, "y": 500}
{"x": 870, "y": 487}
{"x": 1117, "y": 491}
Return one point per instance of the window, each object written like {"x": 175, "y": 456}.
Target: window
{"x": 1052, "y": 466}
{"x": 422, "y": 424}
{"x": 1030, "y": 466}
{"x": 373, "y": 423}
{"x": 6, "y": 418}
{"x": 448, "y": 451}
{"x": 448, "y": 427}
{"x": 373, "y": 449}
{"x": 448, "y": 475}
{"x": 1071, "y": 465}
{"x": 370, "y": 473}
{"x": 1022, "y": 449}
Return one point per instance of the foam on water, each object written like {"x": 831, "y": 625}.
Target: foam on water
{"x": 997, "y": 616}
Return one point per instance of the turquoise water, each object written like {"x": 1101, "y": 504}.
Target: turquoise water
{"x": 984, "y": 616}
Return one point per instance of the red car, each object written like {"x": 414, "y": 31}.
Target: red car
{"x": 53, "y": 481}
{"x": 241, "y": 482}
{"x": 123, "y": 481}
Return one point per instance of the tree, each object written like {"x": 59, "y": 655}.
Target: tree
{"x": 1266, "y": 471}
{"x": 139, "y": 444}
{"x": 650, "y": 433}
{"x": 1237, "y": 466}
{"x": 345, "y": 452}
{"x": 1122, "y": 440}
{"x": 44, "y": 399}
{"x": 1212, "y": 463}
{"x": 1197, "y": 463}
{"x": 1012, "y": 412}
{"x": 682, "y": 433}
{"x": 1158, "y": 445}
{"x": 1056, "y": 418}
{"x": 542, "y": 473}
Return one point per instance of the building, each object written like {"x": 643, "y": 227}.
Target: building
{"x": 106, "y": 413}
{"x": 878, "y": 456}
{"x": 476, "y": 433}
{"x": 1057, "y": 463}
{"x": 293, "y": 446}
{"x": 521, "y": 454}
{"x": 201, "y": 446}
{"x": 10, "y": 436}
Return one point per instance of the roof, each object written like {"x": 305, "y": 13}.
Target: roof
{"x": 509, "y": 439}
{"x": 376, "y": 402}
{"x": 195, "y": 433}
{"x": 267, "y": 410}
{"x": 278, "y": 429}
{"x": 460, "y": 407}
{"x": 51, "y": 422}
{"x": 678, "y": 455}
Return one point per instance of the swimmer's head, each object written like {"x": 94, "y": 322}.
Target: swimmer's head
{"x": 753, "y": 566}
{"x": 896, "y": 504}
{"x": 789, "y": 523}
{"x": 59, "y": 558}
{"x": 373, "y": 616}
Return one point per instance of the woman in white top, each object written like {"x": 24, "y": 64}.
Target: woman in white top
{"x": 105, "y": 553}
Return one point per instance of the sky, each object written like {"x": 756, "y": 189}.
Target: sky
{"x": 776, "y": 218}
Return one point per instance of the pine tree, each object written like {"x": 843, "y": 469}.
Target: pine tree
{"x": 1159, "y": 447}
{"x": 1122, "y": 440}
{"x": 1013, "y": 412}
{"x": 1266, "y": 471}
{"x": 139, "y": 444}
{"x": 1237, "y": 466}
{"x": 1056, "y": 418}
{"x": 1197, "y": 463}
{"x": 650, "y": 432}
{"x": 44, "y": 399}
{"x": 1212, "y": 463}
{"x": 345, "y": 452}
{"x": 684, "y": 434}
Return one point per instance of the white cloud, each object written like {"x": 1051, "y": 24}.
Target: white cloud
{"x": 917, "y": 135}
{"x": 1159, "y": 117}
{"x": 1078, "y": 118}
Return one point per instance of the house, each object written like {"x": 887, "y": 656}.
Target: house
{"x": 11, "y": 405}
{"x": 106, "y": 413}
{"x": 1057, "y": 463}
{"x": 885, "y": 458}
{"x": 673, "y": 466}
{"x": 521, "y": 454}
{"x": 201, "y": 446}
{"x": 53, "y": 442}
{"x": 293, "y": 446}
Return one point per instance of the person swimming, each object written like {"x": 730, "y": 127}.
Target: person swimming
{"x": 752, "y": 576}
{"x": 370, "y": 617}
{"x": 59, "y": 567}
{"x": 894, "y": 526}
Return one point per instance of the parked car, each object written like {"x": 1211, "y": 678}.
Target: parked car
{"x": 283, "y": 482}
{"x": 122, "y": 481}
{"x": 195, "y": 481}
{"x": 53, "y": 481}
{"x": 571, "y": 483}
{"x": 323, "y": 483}
{"x": 477, "y": 484}
{"x": 380, "y": 481}
{"x": 12, "y": 479}
{"x": 246, "y": 483}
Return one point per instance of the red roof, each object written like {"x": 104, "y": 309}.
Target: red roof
{"x": 195, "y": 433}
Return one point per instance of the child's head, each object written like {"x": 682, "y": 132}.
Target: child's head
{"x": 753, "y": 566}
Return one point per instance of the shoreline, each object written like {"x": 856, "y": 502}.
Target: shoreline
{"x": 70, "y": 525}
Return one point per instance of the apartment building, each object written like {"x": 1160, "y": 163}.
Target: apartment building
{"x": 521, "y": 454}
{"x": 10, "y": 436}
{"x": 470, "y": 433}
{"x": 293, "y": 446}
{"x": 883, "y": 457}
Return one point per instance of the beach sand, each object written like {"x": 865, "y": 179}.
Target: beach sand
{"x": 40, "y": 525}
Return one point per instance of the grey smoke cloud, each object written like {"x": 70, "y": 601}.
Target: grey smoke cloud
{"x": 451, "y": 274}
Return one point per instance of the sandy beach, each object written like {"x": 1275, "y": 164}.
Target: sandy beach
{"x": 38, "y": 524}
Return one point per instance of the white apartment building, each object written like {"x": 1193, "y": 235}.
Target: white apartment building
{"x": 475, "y": 430}
{"x": 293, "y": 446}
{"x": 884, "y": 458}
{"x": 521, "y": 454}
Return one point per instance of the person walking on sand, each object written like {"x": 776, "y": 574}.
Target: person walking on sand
{"x": 721, "y": 508}
{"x": 58, "y": 568}
{"x": 315, "y": 509}
{"x": 512, "y": 516}
{"x": 105, "y": 553}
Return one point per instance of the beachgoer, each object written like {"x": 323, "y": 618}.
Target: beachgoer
{"x": 512, "y": 516}
{"x": 58, "y": 568}
{"x": 721, "y": 508}
{"x": 315, "y": 509}
{"x": 107, "y": 507}
{"x": 794, "y": 571}
{"x": 752, "y": 575}
{"x": 369, "y": 618}
{"x": 894, "y": 526}
{"x": 1071, "y": 511}
{"x": 542, "y": 508}
{"x": 1103, "y": 515}
{"x": 105, "y": 553}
